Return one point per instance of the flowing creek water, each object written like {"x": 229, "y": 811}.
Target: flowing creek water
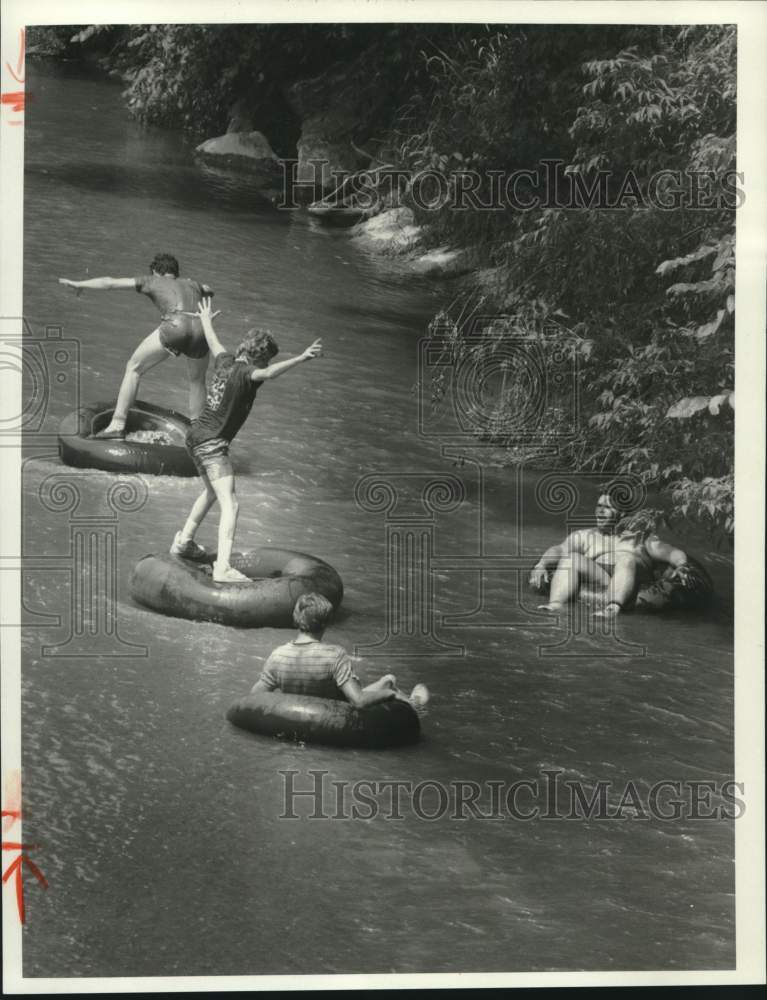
{"x": 160, "y": 825}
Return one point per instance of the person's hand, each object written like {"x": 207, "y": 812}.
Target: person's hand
{"x": 539, "y": 576}
{"x": 204, "y": 309}
{"x": 314, "y": 351}
{"x": 72, "y": 284}
{"x": 683, "y": 574}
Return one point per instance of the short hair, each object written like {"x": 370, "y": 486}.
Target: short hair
{"x": 311, "y": 613}
{"x": 259, "y": 346}
{"x": 165, "y": 263}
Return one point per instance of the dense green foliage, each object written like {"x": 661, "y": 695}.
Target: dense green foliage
{"x": 189, "y": 76}
{"x": 639, "y": 294}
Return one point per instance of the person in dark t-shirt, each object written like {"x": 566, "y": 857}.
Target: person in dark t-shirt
{"x": 231, "y": 392}
{"x": 179, "y": 332}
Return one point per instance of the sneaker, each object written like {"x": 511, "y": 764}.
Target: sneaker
{"x": 229, "y": 575}
{"x": 187, "y": 548}
{"x": 419, "y": 696}
{"x": 111, "y": 435}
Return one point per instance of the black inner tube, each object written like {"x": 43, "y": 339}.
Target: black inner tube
{"x": 78, "y": 447}
{"x": 277, "y": 578}
{"x": 322, "y": 720}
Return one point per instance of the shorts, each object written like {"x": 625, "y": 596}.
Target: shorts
{"x": 212, "y": 459}
{"x": 181, "y": 333}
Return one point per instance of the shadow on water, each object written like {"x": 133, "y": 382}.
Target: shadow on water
{"x": 181, "y": 185}
{"x": 383, "y": 315}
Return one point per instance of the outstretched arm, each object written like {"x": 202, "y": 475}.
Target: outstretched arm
{"x": 280, "y": 367}
{"x": 663, "y": 552}
{"x": 100, "y": 284}
{"x": 206, "y": 318}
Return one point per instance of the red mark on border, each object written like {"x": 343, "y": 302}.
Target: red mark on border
{"x": 11, "y": 815}
{"x": 18, "y": 75}
{"x": 16, "y": 99}
{"x": 12, "y": 810}
{"x": 17, "y": 865}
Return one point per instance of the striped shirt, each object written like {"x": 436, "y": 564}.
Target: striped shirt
{"x": 315, "y": 668}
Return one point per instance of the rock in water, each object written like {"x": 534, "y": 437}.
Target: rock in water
{"x": 248, "y": 151}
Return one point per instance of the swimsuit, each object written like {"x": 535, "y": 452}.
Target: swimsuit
{"x": 604, "y": 549}
{"x": 177, "y": 299}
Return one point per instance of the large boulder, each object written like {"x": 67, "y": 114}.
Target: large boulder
{"x": 443, "y": 262}
{"x": 392, "y": 231}
{"x": 324, "y": 161}
{"x": 337, "y": 111}
{"x": 249, "y": 151}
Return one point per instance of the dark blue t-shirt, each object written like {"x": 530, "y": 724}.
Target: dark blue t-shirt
{"x": 231, "y": 393}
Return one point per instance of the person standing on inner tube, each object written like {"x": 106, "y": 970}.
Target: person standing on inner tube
{"x": 309, "y": 666}
{"x": 180, "y": 332}
{"x": 604, "y": 557}
{"x": 231, "y": 393}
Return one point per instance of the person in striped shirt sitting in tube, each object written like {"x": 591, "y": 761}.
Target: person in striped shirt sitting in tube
{"x": 310, "y": 666}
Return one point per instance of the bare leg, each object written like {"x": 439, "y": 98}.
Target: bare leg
{"x": 200, "y": 508}
{"x": 184, "y": 544}
{"x": 224, "y": 490}
{"x": 197, "y": 368}
{"x": 570, "y": 573}
{"x": 623, "y": 585}
{"x": 149, "y": 353}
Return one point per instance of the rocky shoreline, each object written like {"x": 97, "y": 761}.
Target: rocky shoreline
{"x": 331, "y": 115}
{"x": 338, "y": 118}
{"x": 390, "y": 230}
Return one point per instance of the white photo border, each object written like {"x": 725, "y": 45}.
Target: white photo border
{"x": 751, "y": 237}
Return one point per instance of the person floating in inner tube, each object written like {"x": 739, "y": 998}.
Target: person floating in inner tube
{"x": 231, "y": 393}
{"x": 179, "y": 332}
{"x": 309, "y": 666}
{"x": 617, "y": 562}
